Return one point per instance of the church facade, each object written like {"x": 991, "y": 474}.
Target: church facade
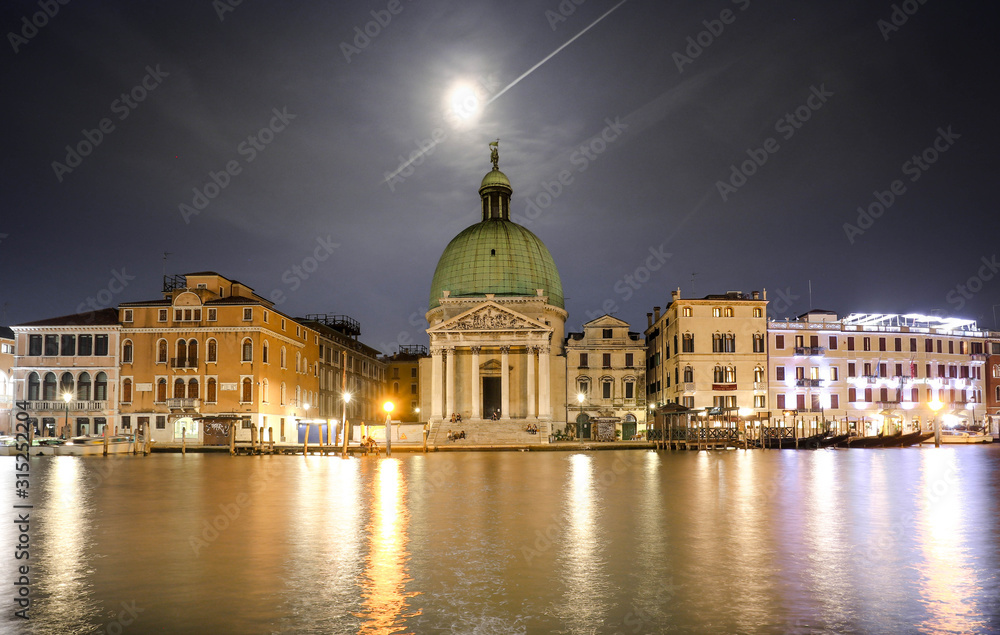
{"x": 496, "y": 319}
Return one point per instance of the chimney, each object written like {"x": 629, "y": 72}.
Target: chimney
{"x": 656, "y": 313}
{"x": 755, "y": 295}
{"x": 649, "y": 319}
{"x": 676, "y": 295}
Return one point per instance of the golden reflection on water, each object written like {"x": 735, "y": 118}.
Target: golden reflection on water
{"x": 383, "y": 581}
{"x": 947, "y": 585}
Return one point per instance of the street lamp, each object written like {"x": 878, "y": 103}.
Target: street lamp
{"x": 67, "y": 397}
{"x": 388, "y": 406}
{"x": 745, "y": 414}
{"x": 346, "y": 400}
{"x": 579, "y": 423}
{"x": 935, "y": 406}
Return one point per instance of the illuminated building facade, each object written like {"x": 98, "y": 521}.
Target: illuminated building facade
{"x": 882, "y": 371}
{"x": 6, "y": 378}
{"x": 403, "y": 381}
{"x": 709, "y": 353}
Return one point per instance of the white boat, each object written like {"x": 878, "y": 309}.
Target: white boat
{"x": 8, "y": 445}
{"x": 94, "y": 446}
{"x": 963, "y": 436}
{"x": 45, "y": 446}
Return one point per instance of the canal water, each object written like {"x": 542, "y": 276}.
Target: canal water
{"x": 824, "y": 541}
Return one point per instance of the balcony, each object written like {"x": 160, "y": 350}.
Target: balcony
{"x": 808, "y": 383}
{"x": 810, "y": 350}
{"x": 688, "y": 386}
{"x": 977, "y": 357}
{"x": 74, "y": 406}
{"x": 184, "y": 404}
{"x": 760, "y": 385}
{"x": 887, "y": 405}
{"x": 184, "y": 362}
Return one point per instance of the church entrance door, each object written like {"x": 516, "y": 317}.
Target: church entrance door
{"x": 491, "y": 397}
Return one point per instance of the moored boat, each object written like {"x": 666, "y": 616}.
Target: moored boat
{"x": 962, "y": 436}
{"x": 94, "y": 446}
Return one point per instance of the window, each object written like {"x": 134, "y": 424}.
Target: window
{"x": 210, "y": 390}
{"x": 686, "y": 311}
{"x": 281, "y": 393}
{"x": 65, "y": 384}
{"x": 758, "y": 312}
{"x": 629, "y": 360}
{"x": 212, "y": 352}
{"x": 127, "y": 315}
{"x": 728, "y": 312}
{"x": 413, "y": 389}
{"x": 717, "y": 312}
{"x": 161, "y": 390}
{"x": 730, "y": 374}
{"x": 759, "y": 401}
{"x": 282, "y": 324}
{"x": 213, "y": 315}
{"x": 606, "y": 389}
{"x": 800, "y": 372}
{"x": 688, "y": 374}
{"x": 718, "y": 375}
{"x": 833, "y": 343}
{"x": 282, "y": 357}
{"x": 868, "y": 395}
{"x": 850, "y": 343}
{"x": 192, "y": 388}
{"x": 867, "y": 343}
{"x": 178, "y": 388}
{"x": 34, "y": 345}
{"x": 779, "y": 342}
{"x": 413, "y": 372}
{"x": 67, "y": 346}
{"x": 161, "y": 421}
{"x": 688, "y": 343}
{"x": 584, "y": 360}
{"x": 127, "y": 391}
{"x": 629, "y": 390}
{"x": 951, "y": 346}
{"x": 758, "y": 343}
{"x": 126, "y": 423}
{"x": 33, "y": 387}
{"x": 899, "y": 344}
{"x": 49, "y": 387}
{"x": 834, "y": 373}
{"x": 101, "y": 387}
{"x": 162, "y": 315}
{"x": 247, "y": 314}
{"x": 779, "y": 373}
{"x": 247, "y": 355}
{"x": 83, "y": 387}
{"x": 161, "y": 352}
{"x": 583, "y": 386}
{"x": 834, "y": 401}
{"x": 608, "y": 333}
{"x": 100, "y": 345}
{"x": 606, "y": 360}
{"x": 51, "y": 345}
{"x": 758, "y": 374}
{"x": 246, "y": 395}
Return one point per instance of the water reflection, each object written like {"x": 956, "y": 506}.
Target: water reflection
{"x": 383, "y": 585}
{"x": 948, "y": 586}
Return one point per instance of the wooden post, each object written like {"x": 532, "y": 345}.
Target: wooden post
{"x": 32, "y": 427}
{"x": 253, "y": 439}
{"x": 305, "y": 441}
{"x": 795, "y": 432}
{"x": 322, "y": 446}
{"x": 232, "y": 439}
{"x": 270, "y": 439}
{"x": 183, "y": 441}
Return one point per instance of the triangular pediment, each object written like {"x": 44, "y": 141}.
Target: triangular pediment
{"x": 606, "y": 321}
{"x": 491, "y": 317}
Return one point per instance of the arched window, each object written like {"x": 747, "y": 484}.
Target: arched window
{"x": 178, "y": 388}
{"x": 210, "y": 391}
{"x": 716, "y": 342}
{"x": 729, "y": 311}
{"x": 192, "y": 388}
{"x": 758, "y": 343}
{"x": 161, "y": 352}
{"x": 263, "y": 391}
{"x": 757, "y": 312}
{"x": 718, "y": 375}
{"x": 127, "y": 352}
{"x": 730, "y": 374}
{"x": 996, "y": 371}
{"x": 281, "y": 393}
{"x": 247, "y": 390}
{"x": 717, "y": 311}
{"x": 758, "y": 374}
{"x": 33, "y": 387}
{"x": 728, "y": 342}
{"x": 161, "y": 390}
{"x": 101, "y": 387}
{"x": 686, "y": 311}
{"x": 263, "y": 353}
{"x": 192, "y": 352}
{"x": 127, "y": 391}
{"x": 282, "y": 360}
{"x": 687, "y": 341}
{"x": 998, "y": 393}
{"x": 66, "y": 384}
{"x": 298, "y": 361}
{"x": 298, "y": 395}
{"x": 688, "y": 374}
{"x": 212, "y": 354}
{"x": 247, "y": 350}
{"x": 49, "y": 387}
{"x": 83, "y": 387}
{"x": 181, "y": 353}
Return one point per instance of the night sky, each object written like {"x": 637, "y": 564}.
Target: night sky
{"x": 728, "y": 161}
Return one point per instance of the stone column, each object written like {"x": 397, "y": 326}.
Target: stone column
{"x": 544, "y": 379}
{"x": 477, "y": 401}
{"x": 531, "y": 381}
{"x": 505, "y": 382}
{"x": 449, "y": 384}
{"x": 436, "y": 360}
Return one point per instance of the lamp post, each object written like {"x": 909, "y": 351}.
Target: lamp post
{"x": 935, "y": 406}
{"x": 346, "y": 398}
{"x": 67, "y": 397}
{"x": 744, "y": 415}
{"x": 579, "y": 423}
{"x": 388, "y": 406}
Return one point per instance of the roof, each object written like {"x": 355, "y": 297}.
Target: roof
{"x": 496, "y": 256}
{"x": 102, "y": 317}
{"x": 6, "y": 333}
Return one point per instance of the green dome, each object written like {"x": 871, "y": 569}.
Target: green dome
{"x": 496, "y": 256}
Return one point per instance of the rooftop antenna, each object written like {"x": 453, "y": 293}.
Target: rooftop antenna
{"x": 810, "y": 295}
{"x": 165, "y": 254}
{"x": 693, "y": 274}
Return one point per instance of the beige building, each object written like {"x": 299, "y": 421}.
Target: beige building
{"x": 606, "y": 380}
{"x": 212, "y": 353}
{"x": 878, "y": 372}
{"x": 496, "y": 331}
{"x": 6, "y": 379}
{"x": 403, "y": 381}
{"x": 709, "y": 353}
{"x": 66, "y": 368}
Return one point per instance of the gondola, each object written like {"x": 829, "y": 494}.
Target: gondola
{"x": 880, "y": 441}
{"x": 904, "y": 440}
{"x": 835, "y": 440}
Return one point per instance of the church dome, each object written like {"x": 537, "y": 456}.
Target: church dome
{"x": 496, "y": 255}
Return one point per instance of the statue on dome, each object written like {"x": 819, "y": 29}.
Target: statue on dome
{"x": 494, "y": 154}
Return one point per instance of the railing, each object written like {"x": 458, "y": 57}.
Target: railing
{"x": 813, "y": 383}
{"x": 184, "y": 362}
{"x": 689, "y": 386}
{"x": 183, "y": 403}
{"x": 891, "y": 403}
{"x": 74, "y": 406}
{"x": 760, "y": 385}
{"x": 977, "y": 357}
{"x": 810, "y": 350}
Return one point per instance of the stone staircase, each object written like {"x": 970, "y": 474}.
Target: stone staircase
{"x": 489, "y": 433}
